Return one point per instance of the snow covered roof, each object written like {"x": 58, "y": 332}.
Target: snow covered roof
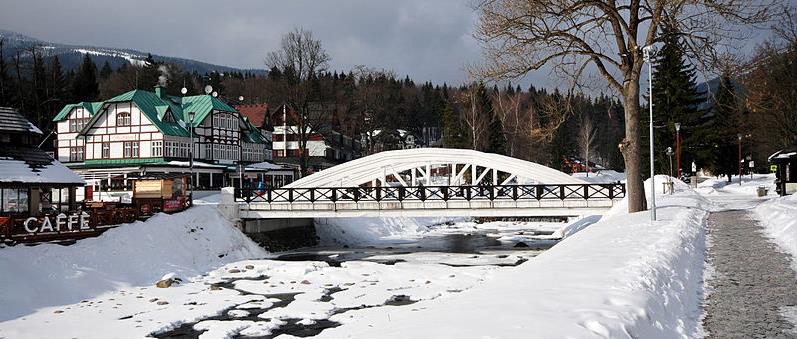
{"x": 12, "y": 121}
{"x": 32, "y": 165}
{"x": 784, "y": 154}
{"x": 265, "y": 166}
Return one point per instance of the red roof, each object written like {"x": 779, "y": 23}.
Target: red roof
{"x": 255, "y": 112}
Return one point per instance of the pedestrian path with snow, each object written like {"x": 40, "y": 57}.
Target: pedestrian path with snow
{"x": 753, "y": 281}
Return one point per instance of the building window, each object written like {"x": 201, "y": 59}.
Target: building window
{"x": 106, "y": 150}
{"x": 14, "y": 200}
{"x": 122, "y": 119}
{"x": 157, "y": 148}
{"x": 76, "y": 153}
{"x": 131, "y": 149}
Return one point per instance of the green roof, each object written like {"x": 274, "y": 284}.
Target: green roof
{"x": 92, "y": 107}
{"x": 202, "y": 105}
{"x": 121, "y": 162}
{"x": 156, "y": 108}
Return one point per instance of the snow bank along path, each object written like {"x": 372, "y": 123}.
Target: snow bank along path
{"x": 621, "y": 278}
{"x": 188, "y": 243}
{"x": 779, "y": 217}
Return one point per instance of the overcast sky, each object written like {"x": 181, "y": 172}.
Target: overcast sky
{"x": 429, "y": 40}
{"x": 425, "y": 39}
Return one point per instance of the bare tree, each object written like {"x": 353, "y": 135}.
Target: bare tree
{"x": 369, "y": 101}
{"x": 582, "y": 37}
{"x": 586, "y": 138}
{"x": 472, "y": 113}
{"x": 301, "y": 58}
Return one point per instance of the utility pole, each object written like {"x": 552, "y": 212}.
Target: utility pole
{"x": 646, "y": 51}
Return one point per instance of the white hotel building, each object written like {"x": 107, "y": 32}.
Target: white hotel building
{"x": 140, "y": 132}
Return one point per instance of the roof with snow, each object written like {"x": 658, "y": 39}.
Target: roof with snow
{"x": 786, "y": 155}
{"x": 24, "y": 164}
{"x": 13, "y": 122}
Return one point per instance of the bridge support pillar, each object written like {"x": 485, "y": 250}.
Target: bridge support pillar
{"x": 228, "y": 207}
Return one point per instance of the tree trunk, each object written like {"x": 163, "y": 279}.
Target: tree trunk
{"x": 630, "y": 146}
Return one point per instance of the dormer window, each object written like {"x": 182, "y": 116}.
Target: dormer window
{"x": 123, "y": 119}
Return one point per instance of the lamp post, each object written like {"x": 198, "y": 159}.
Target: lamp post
{"x": 191, "y": 152}
{"x": 739, "y": 137}
{"x": 678, "y": 149}
{"x": 646, "y": 51}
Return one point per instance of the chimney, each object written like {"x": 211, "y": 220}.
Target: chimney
{"x": 160, "y": 92}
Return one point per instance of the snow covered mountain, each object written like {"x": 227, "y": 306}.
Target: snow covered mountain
{"x": 72, "y": 55}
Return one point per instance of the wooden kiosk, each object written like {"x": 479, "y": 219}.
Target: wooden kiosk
{"x": 161, "y": 193}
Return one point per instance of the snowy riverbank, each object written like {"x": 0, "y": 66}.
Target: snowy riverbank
{"x": 188, "y": 243}
{"x": 619, "y": 278}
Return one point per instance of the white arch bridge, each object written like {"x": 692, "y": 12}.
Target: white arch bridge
{"x": 431, "y": 182}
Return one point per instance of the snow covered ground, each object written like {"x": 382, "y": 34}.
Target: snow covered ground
{"x": 137, "y": 254}
{"x": 620, "y": 277}
{"x": 779, "y": 217}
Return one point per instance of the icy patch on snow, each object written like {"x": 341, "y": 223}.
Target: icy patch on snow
{"x": 779, "y": 218}
{"x": 186, "y": 244}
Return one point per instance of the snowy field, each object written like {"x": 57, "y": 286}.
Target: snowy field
{"x": 619, "y": 276}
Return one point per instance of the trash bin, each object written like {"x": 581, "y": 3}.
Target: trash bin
{"x": 762, "y": 191}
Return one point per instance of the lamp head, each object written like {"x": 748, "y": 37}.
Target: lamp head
{"x": 677, "y": 126}
{"x": 184, "y": 90}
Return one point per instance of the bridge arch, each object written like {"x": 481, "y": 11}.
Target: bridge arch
{"x": 435, "y": 167}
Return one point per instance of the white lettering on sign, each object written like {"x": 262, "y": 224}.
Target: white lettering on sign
{"x": 46, "y": 225}
{"x": 59, "y": 222}
{"x": 72, "y": 221}
{"x": 27, "y": 225}
{"x": 62, "y": 223}
{"x": 84, "y": 221}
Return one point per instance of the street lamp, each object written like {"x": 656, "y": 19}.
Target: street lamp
{"x": 646, "y": 54}
{"x": 739, "y": 136}
{"x": 678, "y": 149}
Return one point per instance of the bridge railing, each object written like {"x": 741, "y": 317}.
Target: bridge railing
{"x": 610, "y": 191}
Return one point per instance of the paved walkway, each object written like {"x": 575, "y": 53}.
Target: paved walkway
{"x": 752, "y": 283}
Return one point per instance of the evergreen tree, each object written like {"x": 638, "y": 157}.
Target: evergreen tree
{"x": 496, "y": 141}
{"x": 725, "y": 130}
{"x": 84, "y": 85}
{"x": 6, "y": 85}
{"x": 56, "y": 89}
{"x": 675, "y": 100}
{"x": 453, "y": 134}
{"x": 106, "y": 70}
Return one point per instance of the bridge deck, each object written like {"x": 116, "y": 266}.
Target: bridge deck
{"x": 419, "y": 201}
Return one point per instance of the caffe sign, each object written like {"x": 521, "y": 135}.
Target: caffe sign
{"x": 58, "y": 223}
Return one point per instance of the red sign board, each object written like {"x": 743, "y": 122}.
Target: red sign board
{"x": 173, "y": 205}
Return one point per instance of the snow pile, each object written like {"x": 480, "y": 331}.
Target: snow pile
{"x": 361, "y": 231}
{"x": 620, "y": 278}
{"x": 779, "y": 217}
{"x": 601, "y": 177}
{"x": 188, "y": 244}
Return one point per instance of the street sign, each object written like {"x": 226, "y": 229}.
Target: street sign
{"x": 694, "y": 167}
{"x": 773, "y": 168}
{"x": 751, "y": 163}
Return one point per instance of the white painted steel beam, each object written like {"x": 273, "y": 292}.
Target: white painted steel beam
{"x": 371, "y": 168}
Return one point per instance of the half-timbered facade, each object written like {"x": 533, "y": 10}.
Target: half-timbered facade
{"x": 141, "y": 131}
